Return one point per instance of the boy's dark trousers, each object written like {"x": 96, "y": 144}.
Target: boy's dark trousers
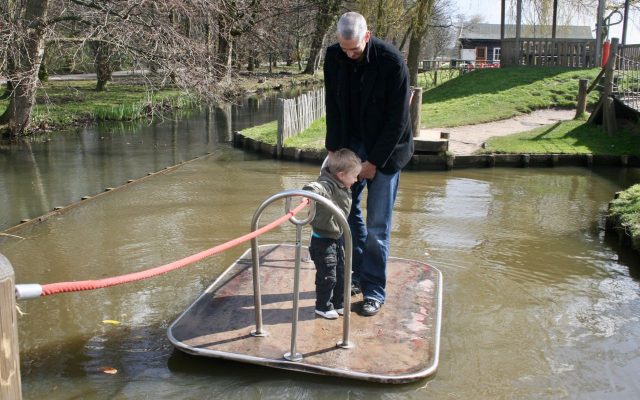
{"x": 328, "y": 256}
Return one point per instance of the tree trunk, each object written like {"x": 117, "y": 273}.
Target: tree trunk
{"x": 103, "y": 65}
{"x": 43, "y": 72}
{"x": 208, "y": 35}
{"x": 419, "y": 24}
{"x": 225, "y": 49}
{"x": 24, "y": 63}
{"x": 7, "y": 91}
{"x": 327, "y": 14}
{"x": 299, "y": 53}
{"x": 413, "y": 58}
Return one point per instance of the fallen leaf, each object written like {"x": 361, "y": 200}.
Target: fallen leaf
{"x": 109, "y": 370}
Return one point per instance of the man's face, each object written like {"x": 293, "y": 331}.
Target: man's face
{"x": 354, "y": 48}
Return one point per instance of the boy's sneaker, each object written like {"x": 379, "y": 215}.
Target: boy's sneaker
{"x": 331, "y": 314}
{"x": 340, "y": 311}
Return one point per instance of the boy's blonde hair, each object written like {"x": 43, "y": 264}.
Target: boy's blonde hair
{"x": 343, "y": 160}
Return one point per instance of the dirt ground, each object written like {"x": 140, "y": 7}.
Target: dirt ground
{"x": 465, "y": 140}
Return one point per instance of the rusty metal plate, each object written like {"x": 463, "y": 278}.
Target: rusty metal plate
{"x": 399, "y": 344}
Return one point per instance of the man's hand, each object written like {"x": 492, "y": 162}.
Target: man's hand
{"x": 368, "y": 171}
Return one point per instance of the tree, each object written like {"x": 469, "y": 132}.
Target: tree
{"x": 104, "y": 66}
{"x": 27, "y": 24}
{"x": 422, "y": 14}
{"x": 130, "y": 27}
{"x": 326, "y": 15}
{"x": 386, "y": 19}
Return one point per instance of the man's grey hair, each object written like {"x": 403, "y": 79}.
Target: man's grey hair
{"x": 352, "y": 26}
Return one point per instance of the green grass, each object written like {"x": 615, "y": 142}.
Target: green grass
{"x": 487, "y": 95}
{"x": 310, "y": 138}
{"x": 568, "y": 137}
{"x": 61, "y": 103}
{"x": 626, "y": 211}
{"x": 494, "y": 94}
{"x": 266, "y": 133}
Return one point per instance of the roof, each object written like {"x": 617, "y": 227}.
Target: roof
{"x": 492, "y": 31}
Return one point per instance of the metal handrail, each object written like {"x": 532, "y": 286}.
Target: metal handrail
{"x": 342, "y": 221}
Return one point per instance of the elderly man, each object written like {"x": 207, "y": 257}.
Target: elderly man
{"x": 367, "y": 96}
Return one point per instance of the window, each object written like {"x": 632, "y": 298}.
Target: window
{"x": 496, "y": 54}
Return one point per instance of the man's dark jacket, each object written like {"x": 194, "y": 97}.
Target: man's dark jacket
{"x": 384, "y": 105}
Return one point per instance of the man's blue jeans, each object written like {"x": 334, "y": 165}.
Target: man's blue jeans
{"x": 371, "y": 239}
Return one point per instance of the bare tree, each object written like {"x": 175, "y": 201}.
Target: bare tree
{"x": 132, "y": 27}
{"x": 422, "y": 14}
{"x": 103, "y": 63}
{"x": 27, "y": 28}
{"x": 325, "y": 17}
{"x": 442, "y": 31}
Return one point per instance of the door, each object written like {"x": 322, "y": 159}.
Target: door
{"x": 481, "y": 54}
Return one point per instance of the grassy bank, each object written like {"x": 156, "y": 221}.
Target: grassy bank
{"x": 624, "y": 213}
{"x": 311, "y": 138}
{"x": 494, "y": 94}
{"x": 66, "y": 103}
{"x": 487, "y": 95}
{"x": 61, "y": 104}
{"x": 569, "y": 137}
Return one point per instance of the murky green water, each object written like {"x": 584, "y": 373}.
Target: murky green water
{"x": 537, "y": 302}
{"x": 39, "y": 175}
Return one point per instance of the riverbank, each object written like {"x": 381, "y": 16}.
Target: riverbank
{"x": 623, "y": 217}
{"x": 448, "y": 161}
{"x": 69, "y": 101}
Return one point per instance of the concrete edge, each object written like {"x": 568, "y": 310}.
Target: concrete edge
{"x": 448, "y": 162}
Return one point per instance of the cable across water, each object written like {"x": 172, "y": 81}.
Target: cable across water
{"x": 26, "y": 291}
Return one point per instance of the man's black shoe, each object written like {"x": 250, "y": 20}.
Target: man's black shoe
{"x": 370, "y": 307}
{"x": 355, "y": 290}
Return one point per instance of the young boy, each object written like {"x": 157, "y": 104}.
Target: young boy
{"x": 338, "y": 173}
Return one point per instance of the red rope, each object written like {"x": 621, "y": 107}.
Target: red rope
{"x": 77, "y": 286}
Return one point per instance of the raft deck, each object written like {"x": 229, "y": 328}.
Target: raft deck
{"x": 399, "y": 344}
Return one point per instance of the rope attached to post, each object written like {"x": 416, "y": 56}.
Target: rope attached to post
{"x": 27, "y": 291}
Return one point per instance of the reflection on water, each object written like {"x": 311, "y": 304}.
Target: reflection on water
{"x": 45, "y": 173}
{"x": 537, "y": 302}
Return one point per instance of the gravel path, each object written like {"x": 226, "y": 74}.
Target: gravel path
{"x": 465, "y": 140}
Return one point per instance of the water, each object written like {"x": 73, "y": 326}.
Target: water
{"x": 37, "y": 176}
{"x": 538, "y": 303}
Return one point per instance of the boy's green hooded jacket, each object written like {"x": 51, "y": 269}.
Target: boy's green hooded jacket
{"x": 328, "y": 186}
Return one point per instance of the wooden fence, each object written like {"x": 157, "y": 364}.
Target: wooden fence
{"x": 575, "y": 53}
{"x": 630, "y": 52}
{"x": 296, "y": 115}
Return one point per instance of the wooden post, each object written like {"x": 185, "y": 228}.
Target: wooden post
{"x": 9, "y": 356}
{"x": 599, "y": 31}
{"x": 280, "y": 110}
{"x": 415, "y": 108}
{"x": 581, "y": 107}
{"x": 608, "y": 110}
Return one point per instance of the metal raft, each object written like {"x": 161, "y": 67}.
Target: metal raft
{"x": 249, "y": 314}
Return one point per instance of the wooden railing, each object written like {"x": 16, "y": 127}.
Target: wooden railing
{"x": 574, "y": 53}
